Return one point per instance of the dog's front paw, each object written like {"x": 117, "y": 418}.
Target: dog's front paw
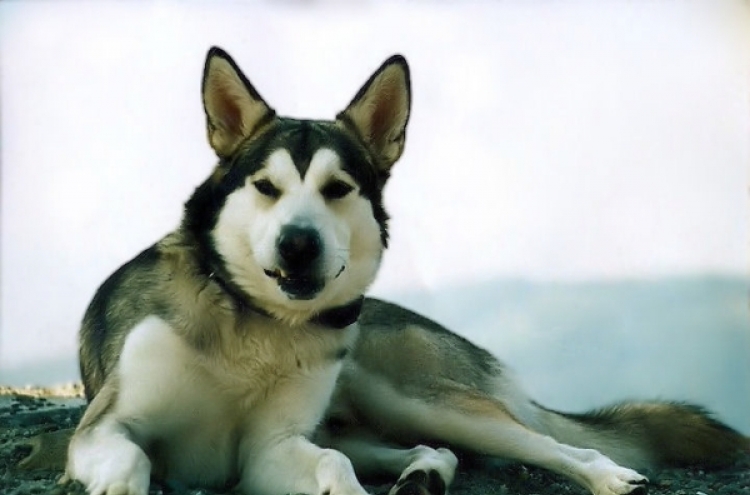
{"x": 336, "y": 475}
{"x": 123, "y": 469}
{"x": 119, "y": 488}
{"x": 115, "y": 478}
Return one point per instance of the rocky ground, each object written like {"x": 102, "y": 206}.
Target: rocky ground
{"x": 25, "y": 413}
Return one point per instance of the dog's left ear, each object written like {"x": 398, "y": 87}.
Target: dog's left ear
{"x": 234, "y": 109}
{"x": 380, "y": 111}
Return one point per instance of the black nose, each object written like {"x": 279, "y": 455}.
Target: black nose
{"x": 299, "y": 247}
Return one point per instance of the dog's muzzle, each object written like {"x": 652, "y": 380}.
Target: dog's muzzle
{"x": 299, "y": 248}
{"x": 300, "y": 251}
{"x": 297, "y": 286}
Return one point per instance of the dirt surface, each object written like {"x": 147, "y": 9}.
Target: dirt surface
{"x": 25, "y": 413}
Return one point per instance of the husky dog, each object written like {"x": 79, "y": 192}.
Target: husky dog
{"x": 240, "y": 351}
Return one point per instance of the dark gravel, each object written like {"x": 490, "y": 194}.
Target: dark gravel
{"x": 23, "y": 415}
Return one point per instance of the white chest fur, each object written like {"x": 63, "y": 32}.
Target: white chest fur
{"x": 201, "y": 414}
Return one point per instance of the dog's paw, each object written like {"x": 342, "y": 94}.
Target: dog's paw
{"x": 111, "y": 468}
{"x": 621, "y": 481}
{"x": 429, "y": 472}
{"x": 111, "y": 479}
{"x": 420, "y": 483}
{"x": 120, "y": 488}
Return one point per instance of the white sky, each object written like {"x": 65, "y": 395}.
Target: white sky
{"x": 549, "y": 140}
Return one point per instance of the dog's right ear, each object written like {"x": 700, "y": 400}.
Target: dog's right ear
{"x": 234, "y": 109}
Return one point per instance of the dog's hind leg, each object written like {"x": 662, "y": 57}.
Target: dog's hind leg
{"x": 469, "y": 419}
{"x": 490, "y": 429}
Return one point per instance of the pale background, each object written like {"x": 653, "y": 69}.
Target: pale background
{"x": 573, "y": 194}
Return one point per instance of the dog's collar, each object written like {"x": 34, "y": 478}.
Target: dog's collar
{"x": 340, "y": 316}
{"x": 337, "y": 318}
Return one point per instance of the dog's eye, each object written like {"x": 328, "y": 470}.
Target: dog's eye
{"x": 336, "y": 189}
{"x": 266, "y": 188}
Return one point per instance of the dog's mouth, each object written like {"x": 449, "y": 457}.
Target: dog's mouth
{"x": 296, "y": 286}
{"x": 299, "y": 286}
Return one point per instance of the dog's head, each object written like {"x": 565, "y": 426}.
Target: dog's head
{"x": 292, "y": 216}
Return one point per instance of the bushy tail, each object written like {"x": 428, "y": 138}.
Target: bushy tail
{"x": 650, "y": 434}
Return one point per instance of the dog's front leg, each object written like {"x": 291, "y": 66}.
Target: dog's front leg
{"x": 107, "y": 461}
{"x": 295, "y": 465}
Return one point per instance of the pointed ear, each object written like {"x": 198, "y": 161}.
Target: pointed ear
{"x": 380, "y": 111}
{"x": 234, "y": 109}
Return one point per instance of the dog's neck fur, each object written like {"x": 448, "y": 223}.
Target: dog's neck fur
{"x": 335, "y": 318}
